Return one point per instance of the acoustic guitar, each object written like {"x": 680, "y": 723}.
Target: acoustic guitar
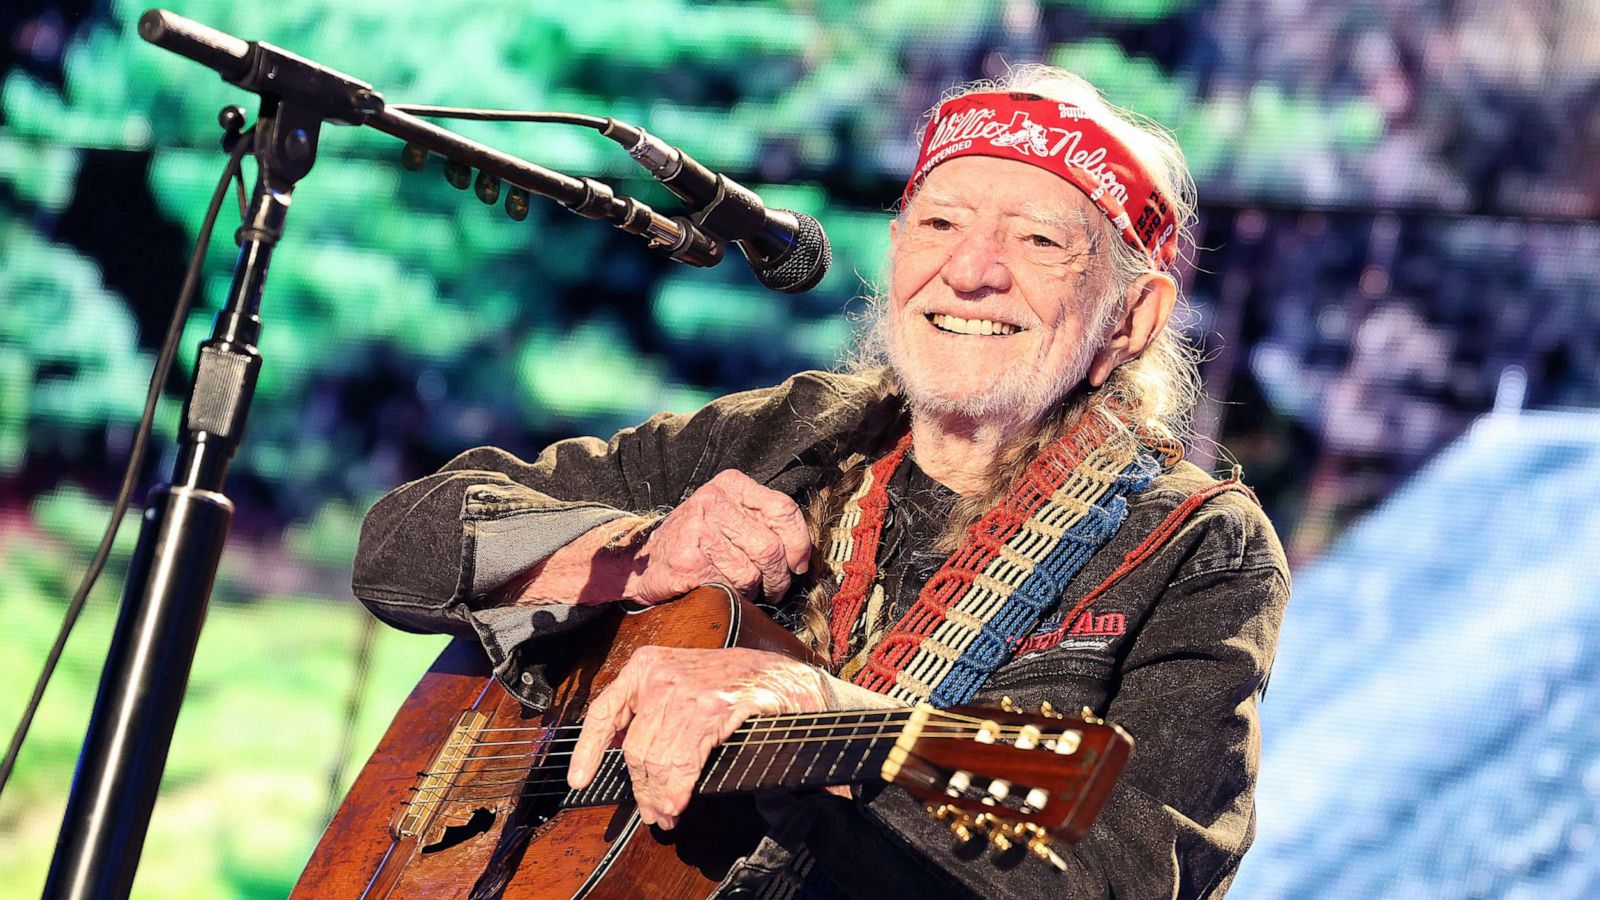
{"x": 466, "y": 794}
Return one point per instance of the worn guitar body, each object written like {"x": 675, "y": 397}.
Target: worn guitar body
{"x": 526, "y": 846}
{"x": 466, "y": 795}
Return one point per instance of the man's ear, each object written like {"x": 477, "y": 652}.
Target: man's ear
{"x": 894, "y": 228}
{"x": 1146, "y": 308}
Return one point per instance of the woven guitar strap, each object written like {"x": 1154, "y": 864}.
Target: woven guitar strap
{"x": 1012, "y": 567}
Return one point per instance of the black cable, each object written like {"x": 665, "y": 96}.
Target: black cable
{"x": 352, "y": 712}
{"x": 238, "y": 181}
{"x": 499, "y": 115}
{"x": 141, "y": 439}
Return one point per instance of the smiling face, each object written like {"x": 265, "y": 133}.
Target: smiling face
{"x": 997, "y": 302}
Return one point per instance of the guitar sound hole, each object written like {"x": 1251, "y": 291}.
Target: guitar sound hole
{"x": 480, "y": 821}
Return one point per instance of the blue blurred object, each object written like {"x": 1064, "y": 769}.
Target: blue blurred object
{"x": 1429, "y": 729}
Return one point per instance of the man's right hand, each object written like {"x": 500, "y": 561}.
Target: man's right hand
{"x": 731, "y": 530}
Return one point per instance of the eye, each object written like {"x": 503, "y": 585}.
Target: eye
{"x": 938, "y": 224}
{"x": 1039, "y": 240}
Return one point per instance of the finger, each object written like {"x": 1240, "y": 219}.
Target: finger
{"x": 639, "y": 749}
{"x": 760, "y": 546}
{"x": 609, "y": 714}
{"x": 676, "y": 564}
{"x": 783, "y": 517}
{"x": 729, "y": 562}
{"x": 678, "y": 755}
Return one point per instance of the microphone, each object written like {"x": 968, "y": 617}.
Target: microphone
{"x": 787, "y": 250}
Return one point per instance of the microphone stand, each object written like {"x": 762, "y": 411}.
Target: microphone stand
{"x": 186, "y": 520}
{"x": 180, "y": 543}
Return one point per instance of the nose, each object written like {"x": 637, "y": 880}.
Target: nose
{"x": 977, "y": 265}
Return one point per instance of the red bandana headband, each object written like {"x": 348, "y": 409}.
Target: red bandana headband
{"x": 1065, "y": 141}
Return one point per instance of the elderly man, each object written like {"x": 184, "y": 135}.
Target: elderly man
{"x": 1000, "y": 508}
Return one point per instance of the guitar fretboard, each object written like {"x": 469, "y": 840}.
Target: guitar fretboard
{"x": 799, "y": 751}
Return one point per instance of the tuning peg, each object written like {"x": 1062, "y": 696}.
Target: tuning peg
{"x": 1009, "y": 705}
{"x": 959, "y": 781}
{"x": 1036, "y": 799}
{"x": 940, "y": 812}
{"x": 1028, "y": 737}
{"x": 414, "y": 157}
{"x": 1048, "y": 711}
{"x": 458, "y": 174}
{"x": 1000, "y": 841}
{"x": 999, "y": 789}
{"x": 1039, "y": 846}
{"x": 517, "y": 203}
{"x": 1067, "y": 743}
{"x": 487, "y": 187}
{"x": 963, "y": 828}
{"x": 988, "y": 732}
{"x": 1088, "y": 716}
{"x": 1038, "y": 843}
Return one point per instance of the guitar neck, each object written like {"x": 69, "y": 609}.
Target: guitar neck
{"x": 796, "y": 751}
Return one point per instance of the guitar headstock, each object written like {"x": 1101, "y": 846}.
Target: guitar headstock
{"x": 1016, "y": 778}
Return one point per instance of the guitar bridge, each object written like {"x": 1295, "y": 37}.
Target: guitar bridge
{"x": 440, "y": 776}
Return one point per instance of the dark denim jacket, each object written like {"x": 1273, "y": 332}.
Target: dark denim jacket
{"x": 1180, "y": 664}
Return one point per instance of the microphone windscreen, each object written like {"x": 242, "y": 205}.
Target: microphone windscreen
{"x": 802, "y": 268}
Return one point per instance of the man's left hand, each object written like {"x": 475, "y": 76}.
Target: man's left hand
{"x": 674, "y": 705}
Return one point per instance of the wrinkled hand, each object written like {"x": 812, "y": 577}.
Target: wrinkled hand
{"x": 730, "y": 530}
{"x": 674, "y": 705}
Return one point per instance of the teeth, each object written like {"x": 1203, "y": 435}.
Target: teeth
{"x": 971, "y": 326}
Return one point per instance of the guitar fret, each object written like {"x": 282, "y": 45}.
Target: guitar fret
{"x": 596, "y": 790}
{"x": 812, "y": 741}
{"x": 747, "y": 756}
{"x": 725, "y": 756}
{"x": 599, "y": 787}
{"x": 833, "y": 767}
{"x": 618, "y": 787}
{"x": 871, "y": 758}
{"x": 842, "y": 735}
{"x": 822, "y": 750}
{"x": 857, "y": 753}
{"x": 772, "y": 749}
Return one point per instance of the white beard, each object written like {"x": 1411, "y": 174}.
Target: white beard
{"x": 1022, "y": 394}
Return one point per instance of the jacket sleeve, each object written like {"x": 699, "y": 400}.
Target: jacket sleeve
{"x": 1187, "y": 690}
{"x": 433, "y": 550}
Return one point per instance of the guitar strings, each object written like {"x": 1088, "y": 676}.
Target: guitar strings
{"x": 765, "y": 727}
{"x": 762, "y": 730}
{"x": 814, "y": 745}
{"x": 549, "y": 755}
{"x": 536, "y": 793}
{"x": 771, "y": 722}
{"x": 756, "y": 731}
{"x": 563, "y": 791}
{"x": 543, "y": 771}
{"x": 544, "y": 749}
